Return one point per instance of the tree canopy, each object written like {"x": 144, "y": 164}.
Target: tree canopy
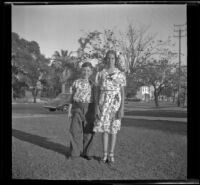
{"x": 27, "y": 61}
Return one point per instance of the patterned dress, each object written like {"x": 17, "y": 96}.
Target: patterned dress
{"x": 109, "y": 100}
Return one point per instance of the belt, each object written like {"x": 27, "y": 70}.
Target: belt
{"x": 81, "y": 102}
{"x": 110, "y": 90}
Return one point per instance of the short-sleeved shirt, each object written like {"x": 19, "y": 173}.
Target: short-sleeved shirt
{"x": 82, "y": 91}
{"x": 111, "y": 81}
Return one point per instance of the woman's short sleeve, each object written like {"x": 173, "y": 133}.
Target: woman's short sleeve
{"x": 123, "y": 79}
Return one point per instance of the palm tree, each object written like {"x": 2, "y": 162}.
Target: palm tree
{"x": 65, "y": 65}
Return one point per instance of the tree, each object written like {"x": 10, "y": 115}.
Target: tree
{"x": 53, "y": 84}
{"x": 136, "y": 45}
{"x": 17, "y": 72}
{"x": 95, "y": 44}
{"x": 132, "y": 86}
{"x": 156, "y": 73}
{"x": 27, "y": 56}
{"x": 183, "y": 84}
{"x": 65, "y": 65}
{"x": 90, "y": 46}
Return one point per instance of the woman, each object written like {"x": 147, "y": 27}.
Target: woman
{"x": 109, "y": 109}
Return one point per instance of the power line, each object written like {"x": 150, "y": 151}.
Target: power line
{"x": 180, "y": 30}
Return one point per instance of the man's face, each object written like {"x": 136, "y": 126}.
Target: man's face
{"x": 111, "y": 60}
{"x": 86, "y": 72}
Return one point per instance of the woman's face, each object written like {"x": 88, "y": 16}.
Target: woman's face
{"x": 111, "y": 60}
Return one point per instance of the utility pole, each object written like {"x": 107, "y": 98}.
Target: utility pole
{"x": 179, "y": 36}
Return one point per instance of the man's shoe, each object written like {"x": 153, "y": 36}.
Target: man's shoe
{"x": 87, "y": 157}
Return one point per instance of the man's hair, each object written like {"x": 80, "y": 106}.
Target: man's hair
{"x": 87, "y": 64}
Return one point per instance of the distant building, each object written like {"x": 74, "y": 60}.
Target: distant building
{"x": 145, "y": 93}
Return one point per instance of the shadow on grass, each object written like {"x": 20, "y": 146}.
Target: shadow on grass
{"x": 41, "y": 141}
{"x": 166, "y": 126}
{"x": 96, "y": 158}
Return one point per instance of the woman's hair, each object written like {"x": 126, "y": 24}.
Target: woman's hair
{"x": 111, "y": 52}
{"x": 87, "y": 64}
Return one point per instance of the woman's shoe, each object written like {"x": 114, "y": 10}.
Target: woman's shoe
{"x": 105, "y": 157}
{"x": 111, "y": 159}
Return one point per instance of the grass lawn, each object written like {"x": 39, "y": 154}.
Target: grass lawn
{"x": 154, "y": 150}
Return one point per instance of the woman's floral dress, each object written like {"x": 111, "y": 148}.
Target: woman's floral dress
{"x": 109, "y": 100}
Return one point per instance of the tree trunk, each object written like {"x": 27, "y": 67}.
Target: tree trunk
{"x": 178, "y": 100}
{"x": 63, "y": 82}
{"x": 174, "y": 94}
{"x": 185, "y": 101}
{"x": 65, "y": 75}
{"x": 63, "y": 88}
{"x": 34, "y": 93}
{"x": 34, "y": 99}
{"x": 156, "y": 98}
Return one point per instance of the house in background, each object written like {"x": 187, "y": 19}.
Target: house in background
{"x": 145, "y": 93}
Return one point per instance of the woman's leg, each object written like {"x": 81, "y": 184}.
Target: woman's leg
{"x": 113, "y": 142}
{"x": 112, "y": 148}
{"x": 105, "y": 142}
{"x": 105, "y": 146}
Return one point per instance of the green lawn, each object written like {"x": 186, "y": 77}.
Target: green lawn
{"x": 144, "y": 150}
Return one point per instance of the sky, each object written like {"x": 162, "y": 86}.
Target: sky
{"x": 56, "y": 27}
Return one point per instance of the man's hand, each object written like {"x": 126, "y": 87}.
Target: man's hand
{"x": 69, "y": 115}
{"x": 97, "y": 111}
{"x": 120, "y": 114}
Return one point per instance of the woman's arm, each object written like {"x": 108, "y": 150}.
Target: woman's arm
{"x": 120, "y": 112}
{"x": 122, "y": 102}
{"x": 97, "y": 93}
{"x": 96, "y": 100}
